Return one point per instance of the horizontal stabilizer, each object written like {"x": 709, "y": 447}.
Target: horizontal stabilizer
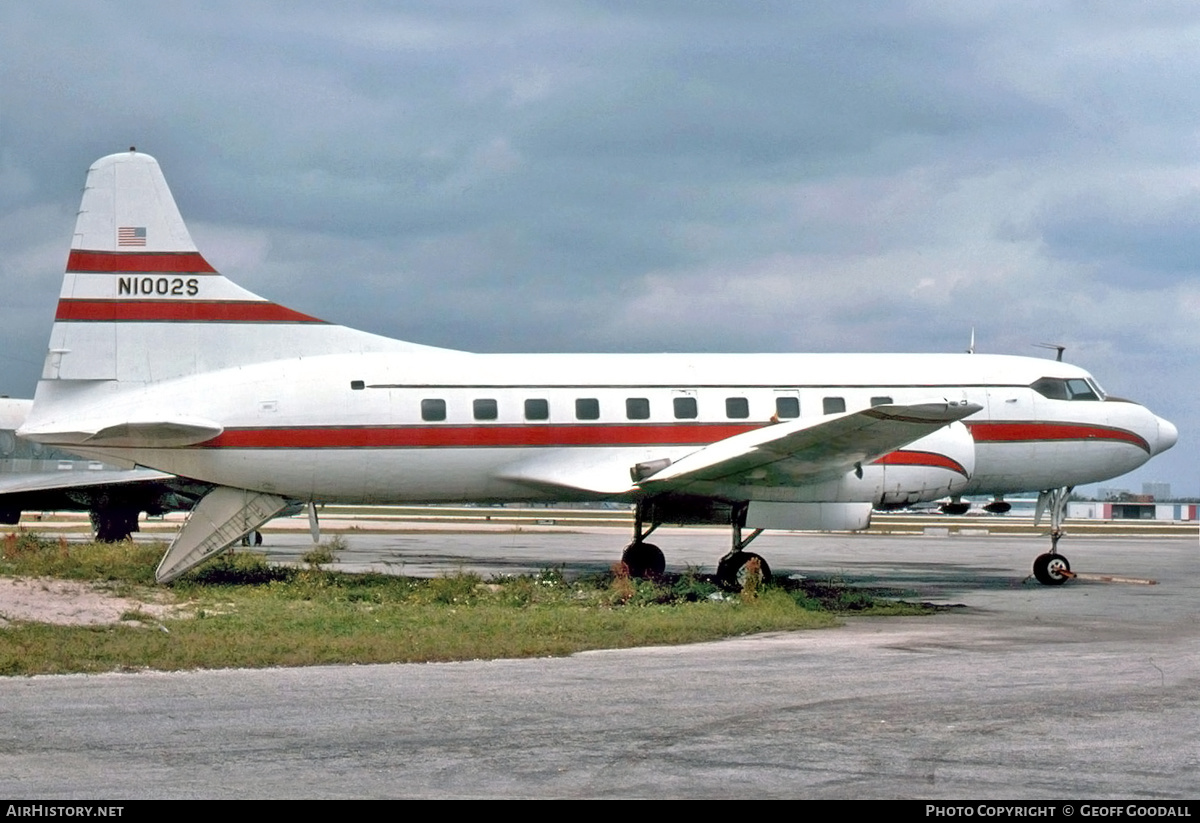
{"x": 805, "y": 450}
{"x": 172, "y": 433}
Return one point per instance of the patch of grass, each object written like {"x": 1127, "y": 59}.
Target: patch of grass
{"x": 326, "y": 552}
{"x": 246, "y": 613}
{"x": 27, "y": 554}
{"x": 236, "y": 569}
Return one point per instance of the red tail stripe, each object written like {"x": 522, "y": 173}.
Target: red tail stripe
{"x": 184, "y": 262}
{"x": 927, "y": 459}
{"x": 179, "y": 311}
{"x": 1021, "y": 432}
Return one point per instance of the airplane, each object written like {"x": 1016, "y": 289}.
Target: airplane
{"x": 157, "y": 360}
{"x": 34, "y": 477}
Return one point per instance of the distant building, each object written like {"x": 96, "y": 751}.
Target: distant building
{"x": 1132, "y": 510}
{"x": 1158, "y": 490}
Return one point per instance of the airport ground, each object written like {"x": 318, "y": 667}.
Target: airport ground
{"x": 1090, "y": 690}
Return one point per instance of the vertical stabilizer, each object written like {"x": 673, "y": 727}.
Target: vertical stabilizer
{"x": 140, "y": 304}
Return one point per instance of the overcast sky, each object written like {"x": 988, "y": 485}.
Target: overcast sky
{"x": 651, "y": 176}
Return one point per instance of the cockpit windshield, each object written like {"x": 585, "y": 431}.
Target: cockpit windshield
{"x": 1076, "y": 388}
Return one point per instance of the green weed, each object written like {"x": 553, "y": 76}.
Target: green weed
{"x": 247, "y": 613}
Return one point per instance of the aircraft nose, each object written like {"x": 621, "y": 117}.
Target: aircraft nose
{"x": 1167, "y": 435}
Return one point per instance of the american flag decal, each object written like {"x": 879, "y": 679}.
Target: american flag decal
{"x": 131, "y": 236}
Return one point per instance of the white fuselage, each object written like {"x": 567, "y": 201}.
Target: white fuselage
{"x": 451, "y": 426}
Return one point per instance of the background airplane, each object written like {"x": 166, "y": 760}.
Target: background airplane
{"x": 39, "y": 478}
{"x": 155, "y": 359}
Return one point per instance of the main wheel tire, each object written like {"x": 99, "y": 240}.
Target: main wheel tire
{"x": 114, "y": 525}
{"x": 644, "y": 559}
{"x": 1048, "y": 569}
{"x": 732, "y": 571}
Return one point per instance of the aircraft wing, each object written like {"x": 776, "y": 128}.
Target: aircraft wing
{"x": 805, "y": 451}
{"x": 794, "y": 453}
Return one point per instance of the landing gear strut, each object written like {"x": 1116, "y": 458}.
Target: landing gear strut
{"x": 734, "y": 567}
{"x": 1051, "y": 568}
{"x": 114, "y": 523}
{"x": 643, "y": 559}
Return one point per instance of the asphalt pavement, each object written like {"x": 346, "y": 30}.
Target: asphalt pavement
{"x": 1089, "y": 690}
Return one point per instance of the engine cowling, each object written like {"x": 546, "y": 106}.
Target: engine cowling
{"x": 938, "y": 465}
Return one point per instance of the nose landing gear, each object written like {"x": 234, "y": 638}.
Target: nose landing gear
{"x": 1051, "y": 568}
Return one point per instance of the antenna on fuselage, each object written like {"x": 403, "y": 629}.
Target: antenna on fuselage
{"x": 971, "y": 347}
{"x": 1058, "y": 347}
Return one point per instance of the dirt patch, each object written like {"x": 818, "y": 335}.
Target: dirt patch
{"x": 69, "y": 603}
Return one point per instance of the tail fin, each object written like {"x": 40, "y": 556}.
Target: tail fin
{"x": 140, "y": 304}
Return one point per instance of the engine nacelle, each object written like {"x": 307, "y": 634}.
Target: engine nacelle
{"x": 938, "y": 465}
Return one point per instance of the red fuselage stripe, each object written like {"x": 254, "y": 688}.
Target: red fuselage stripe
{"x": 999, "y": 432}
{"x": 423, "y": 437}
{"x": 177, "y": 311}
{"x": 129, "y": 262}
{"x": 603, "y": 434}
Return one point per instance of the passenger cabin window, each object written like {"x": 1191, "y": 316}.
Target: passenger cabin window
{"x": 833, "y": 405}
{"x": 787, "y": 407}
{"x": 485, "y": 409}
{"x": 685, "y": 408}
{"x": 637, "y": 408}
{"x": 587, "y": 408}
{"x": 357, "y": 385}
{"x": 1057, "y": 388}
{"x": 433, "y": 410}
{"x": 737, "y": 408}
{"x": 882, "y": 400}
{"x": 537, "y": 409}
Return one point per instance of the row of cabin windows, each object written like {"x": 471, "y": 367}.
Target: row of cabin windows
{"x": 636, "y": 408}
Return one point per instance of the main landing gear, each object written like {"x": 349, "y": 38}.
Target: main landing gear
{"x": 646, "y": 560}
{"x": 738, "y": 564}
{"x": 1051, "y": 568}
{"x": 641, "y": 558}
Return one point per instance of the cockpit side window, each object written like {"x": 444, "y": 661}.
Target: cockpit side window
{"x": 1081, "y": 390}
{"x": 1057, "y": 388}
{"x": 1051, "y": 387}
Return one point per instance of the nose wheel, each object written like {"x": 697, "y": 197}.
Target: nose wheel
{"x": 1052, "y": 569}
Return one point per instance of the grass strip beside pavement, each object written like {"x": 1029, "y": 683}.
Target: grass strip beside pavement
{"x": 238, "y": 611}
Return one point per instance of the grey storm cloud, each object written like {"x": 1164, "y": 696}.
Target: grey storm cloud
{"x": 630, "y": 176}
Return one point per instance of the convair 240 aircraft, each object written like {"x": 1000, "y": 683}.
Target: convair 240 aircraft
{"x": 157, "y": 360}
